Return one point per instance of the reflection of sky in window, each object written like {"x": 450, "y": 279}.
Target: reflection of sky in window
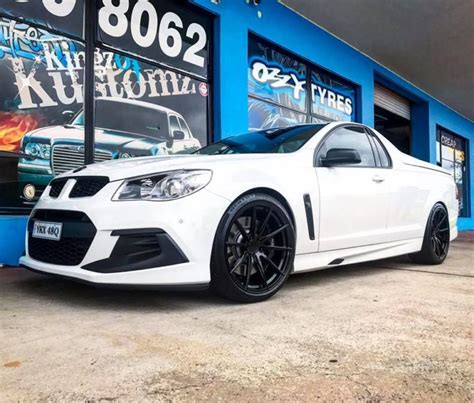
{"x": 263, "y": 115}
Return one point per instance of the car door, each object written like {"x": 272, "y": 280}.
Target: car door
{"x": 353, "y": 198}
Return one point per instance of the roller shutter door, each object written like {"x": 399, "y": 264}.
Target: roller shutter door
{"x": 392, "y": 102}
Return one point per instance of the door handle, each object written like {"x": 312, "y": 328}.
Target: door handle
{"x": 378, "y": 178}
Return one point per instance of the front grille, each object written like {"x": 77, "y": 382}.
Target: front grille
{"x": 57, "y": 186}
{"x": 66, "y": 158}
{"x": 77, "y": 235}
{"x": 88, "y": 186}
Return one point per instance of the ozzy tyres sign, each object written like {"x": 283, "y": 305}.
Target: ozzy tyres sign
{"x": 286, "y": 90}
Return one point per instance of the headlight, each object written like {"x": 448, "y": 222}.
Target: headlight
{"x": 38, "y": 150}
{"x": 166, "y": 186}
{"x": 126, "y": 155}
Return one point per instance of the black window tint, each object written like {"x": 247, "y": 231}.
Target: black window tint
{"x": 350, "y": 137}
{"x": 282, "y": 141}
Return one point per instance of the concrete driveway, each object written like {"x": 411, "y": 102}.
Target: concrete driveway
{"x": 387, "y": 330}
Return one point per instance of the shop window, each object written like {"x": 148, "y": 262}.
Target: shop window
{"x": 451, "y": 152}
{"x": 66, "y": 16}
{"x": 265, "y": 115}
{"x": 164, "y": 31}
{"x": 139, "y": 107}
{"x": 278, "y": 90}
{"x": 331, "y": 98}
{"x": 42, "y": 89}
{"x": 151, "y": 70}
{"x": 276, "y": 77}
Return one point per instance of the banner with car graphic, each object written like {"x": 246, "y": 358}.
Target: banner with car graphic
{"x": 141, "y": 109}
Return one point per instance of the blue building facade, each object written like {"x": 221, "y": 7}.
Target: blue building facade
{"x": 316, "y": 77}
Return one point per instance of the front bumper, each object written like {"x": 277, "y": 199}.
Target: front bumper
{"x": 189, "y": 224}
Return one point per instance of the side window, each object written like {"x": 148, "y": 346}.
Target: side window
{"x": 174, "y": 125}
{"x": 374, "y": 148}
{"x": 185, "y": 128}
{"x": 385, "y": 161}
{"x": 349, "y": 137}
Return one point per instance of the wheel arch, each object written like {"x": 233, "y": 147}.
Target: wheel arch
{"x": 443, "y": 204}
{"x": 433, "y": 206}
{"x": 430, "y": 210}
{"x": 431, "y": 202}
{"x": 275, "y": 194}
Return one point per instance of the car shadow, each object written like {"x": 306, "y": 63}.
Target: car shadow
{"x": 69, "y": 293}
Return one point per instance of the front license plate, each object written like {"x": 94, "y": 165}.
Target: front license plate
{"x": 47, "y": 230}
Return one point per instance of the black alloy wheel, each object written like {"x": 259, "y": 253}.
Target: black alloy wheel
{"x": 254, "y": 249}
{"x": 436, "y": 240}
{"x": 440, "y": 233}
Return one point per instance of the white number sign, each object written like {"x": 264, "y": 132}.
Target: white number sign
{"x": 169, "y": 30}
{"x": 61, "y": 9}
{"x": 118, "y": 12}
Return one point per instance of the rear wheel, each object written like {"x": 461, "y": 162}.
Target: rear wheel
{"x": 253, "y": 250}
{"x": 436, "y": 240}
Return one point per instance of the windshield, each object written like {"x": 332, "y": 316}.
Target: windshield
{"x": 128, "y": 118}
{"x": 284, "y": 140}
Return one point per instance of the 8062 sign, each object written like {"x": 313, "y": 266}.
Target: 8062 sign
{"x": 165, "y": 31}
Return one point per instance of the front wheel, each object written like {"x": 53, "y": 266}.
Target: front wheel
{"x": 436, "y": 240}
{"x": 254, "y": 249}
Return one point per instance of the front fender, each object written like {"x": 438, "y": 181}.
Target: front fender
{"x": 291, "y": 184}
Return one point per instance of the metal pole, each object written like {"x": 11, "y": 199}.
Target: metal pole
{"x": 89, "y": 80}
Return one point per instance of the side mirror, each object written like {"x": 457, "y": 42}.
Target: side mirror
{"x": 341, "y": 156}
{"x": 178, "y": 135}
{"x": 67, "y": 115}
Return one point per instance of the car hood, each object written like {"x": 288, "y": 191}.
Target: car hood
{"x": 129, "y": 168}
{"x": 103, "y": 138}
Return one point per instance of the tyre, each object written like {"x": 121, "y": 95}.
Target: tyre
{"x": 436, "y": 240}
{"x": 253, "y": 250}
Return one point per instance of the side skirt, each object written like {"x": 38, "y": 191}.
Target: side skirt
{"x": 341, "y": 257}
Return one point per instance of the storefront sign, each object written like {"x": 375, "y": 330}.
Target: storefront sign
{"x": 165, "y": 31}
{"x": 448, "y": 141}
{"x": 278, "y": 90}
{"x": 327, "y": 102}
{"x": 277, "y": 79}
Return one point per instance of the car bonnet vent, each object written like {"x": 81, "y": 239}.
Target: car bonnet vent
{"x": 57, "y": 186}
{"x": 87, "y": 186}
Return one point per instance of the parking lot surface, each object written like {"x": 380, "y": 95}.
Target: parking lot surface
{"x": 385, "y": 330}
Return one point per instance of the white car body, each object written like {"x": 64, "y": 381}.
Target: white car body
{"x": 359, "y": 214}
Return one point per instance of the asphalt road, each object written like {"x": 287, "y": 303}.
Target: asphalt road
{"x": 387, "y": 330}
